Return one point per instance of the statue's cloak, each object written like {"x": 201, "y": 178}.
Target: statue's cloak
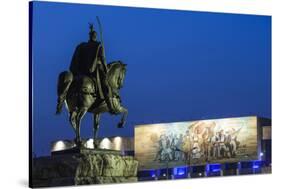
{"x": 85, "y": 57}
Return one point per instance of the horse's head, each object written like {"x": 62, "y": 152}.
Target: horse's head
{"x": 116, "y": 74}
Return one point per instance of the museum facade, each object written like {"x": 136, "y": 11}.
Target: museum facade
{"x": 202, "y": 148}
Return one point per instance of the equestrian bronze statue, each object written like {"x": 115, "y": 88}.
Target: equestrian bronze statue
{"x": 91, "y": 85}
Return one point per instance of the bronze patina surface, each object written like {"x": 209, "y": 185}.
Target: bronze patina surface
{"x": 91, "y": 85}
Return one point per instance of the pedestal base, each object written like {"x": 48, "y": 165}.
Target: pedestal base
{"x": 83, "y": 166}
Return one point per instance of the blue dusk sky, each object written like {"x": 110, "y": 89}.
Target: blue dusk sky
{"x": 182, "y": 65}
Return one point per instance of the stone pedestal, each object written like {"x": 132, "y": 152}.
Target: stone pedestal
{"x": 83, "y": 166}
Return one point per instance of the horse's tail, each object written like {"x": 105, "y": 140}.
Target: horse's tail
{"x": 64, "y": 81}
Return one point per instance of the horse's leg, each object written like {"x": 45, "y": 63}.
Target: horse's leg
{"x": 76, "y": 126}
{"x": 123, "y": 118}
{"x": 72, "y": 120}
{"x": 119, "y": 109}
{"x": 80, "y": 114}
{"x": 64, "y": 82}
{"x": 96, "y": 129}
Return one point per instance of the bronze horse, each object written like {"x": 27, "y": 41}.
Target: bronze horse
{"x": 82, "y": 97}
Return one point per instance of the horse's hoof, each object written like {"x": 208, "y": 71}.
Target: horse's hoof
{"x": 120, "y": 125}
{"x": 78, "y": 143}
{"x": 59, "y": 109}
{"x": 96, "y": 146}
{"x": 57, "y": 112}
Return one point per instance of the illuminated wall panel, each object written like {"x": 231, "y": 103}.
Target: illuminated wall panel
{"x": 196, "y": 142}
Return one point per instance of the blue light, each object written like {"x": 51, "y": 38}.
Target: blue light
{"x": 216, "y": 170}
{"x": 179, "y": 171}
{"x": 256, "y": 164}
{"x": 152, "y": 173}
{"x": 214, "y": 167}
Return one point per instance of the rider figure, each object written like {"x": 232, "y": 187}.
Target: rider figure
{"x": 88, "y": 60}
